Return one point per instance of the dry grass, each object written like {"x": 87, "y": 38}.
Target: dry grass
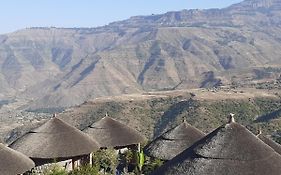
{"x": 200, "y": 94}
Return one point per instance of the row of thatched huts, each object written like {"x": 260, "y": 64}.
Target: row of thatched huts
{"x": 230, "y": 149}
{"x": 58, "y": 141}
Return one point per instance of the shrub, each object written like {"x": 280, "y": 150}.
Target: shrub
{"x": 85, "y": 170}
{"x": 151, "y": 164}
{"x": 106, "y": 160}
{"x": 55, "y": 170}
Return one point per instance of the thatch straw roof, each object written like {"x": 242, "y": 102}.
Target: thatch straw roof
{"x": 13, "y": 162}
{"x": 111, "y": 133}
{"x": 231, "y": 149}
{"x": 271, "y": 143}
{"x": 55, "y": 140}
{"x": 173, "y": 141}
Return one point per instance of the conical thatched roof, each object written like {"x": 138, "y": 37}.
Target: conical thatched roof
{"x": 13, "y": 162}
{"x": 55, "y": 140}
{"x": 111, "y": 133}
{"x": 271, "y": 143}
{"x": 173, "y": 141}
{"x": 231, "y": 149}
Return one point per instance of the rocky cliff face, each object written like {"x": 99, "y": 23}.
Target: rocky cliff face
{"x": 53, "y": 67}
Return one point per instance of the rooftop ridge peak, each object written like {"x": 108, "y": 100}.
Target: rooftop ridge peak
{"x": 231, "y": 118}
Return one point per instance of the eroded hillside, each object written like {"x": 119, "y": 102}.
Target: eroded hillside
{"x": 56, "y": 68}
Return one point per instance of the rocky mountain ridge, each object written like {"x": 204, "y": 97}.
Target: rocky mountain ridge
{"x": 55, "y": 68}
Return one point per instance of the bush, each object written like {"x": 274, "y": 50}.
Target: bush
{"x": 85, "y": 170}
{"x": 151, "y": 164}
{"x": 105, "y": 160}
{"x": 55, "y": 170}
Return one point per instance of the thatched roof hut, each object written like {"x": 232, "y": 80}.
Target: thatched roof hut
{"x": 111, "y": 133}
{"x": 230, "y": 149}
{"x": 173, "y": 141}
{"x": 271, "y": 143}
{"x": 55, "y": 140}
{"x": 13, "y": 162}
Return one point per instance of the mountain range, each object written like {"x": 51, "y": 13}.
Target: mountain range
{"x": 60, "y": 67}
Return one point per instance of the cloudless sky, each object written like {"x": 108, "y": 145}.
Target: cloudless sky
{"x": 19, "y": 14}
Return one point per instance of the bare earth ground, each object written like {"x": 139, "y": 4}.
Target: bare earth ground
{"x": 200, "y": 94}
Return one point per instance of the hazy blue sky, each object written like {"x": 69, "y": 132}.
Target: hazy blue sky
{"x": 18, "y": 14}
